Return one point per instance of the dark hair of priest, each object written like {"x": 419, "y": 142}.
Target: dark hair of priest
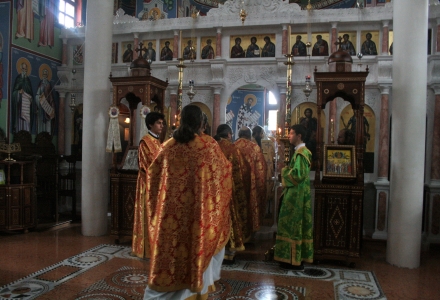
{"x": 222, "y": 131}
{"x": 299, "y": 130}
{"x": 256, "y": 134}
{"x": 152, "y": 117}
{"x": 190, "y": 124}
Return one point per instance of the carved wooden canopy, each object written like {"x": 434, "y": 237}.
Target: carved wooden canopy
{"x": 349, "y": 86}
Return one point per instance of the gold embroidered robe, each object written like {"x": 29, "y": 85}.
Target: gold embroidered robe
{"x": 189, "y": 192}
{"x": 241, "y": 232}
{"x": 254, "y": 180}
{"x": 149, "y": 147}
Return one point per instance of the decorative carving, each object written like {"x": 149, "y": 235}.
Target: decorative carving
{"x": 235, "y": 74}
{"x": 253, "y": 7}
{"x": 250, "y": 76}
{"x": 121, "y": 17}
{"x": 217, "y": 72}
{"x": 268, "y": 74}
{"x": 63, "y": 76}
{"x": 385, "y": 71}
{"x": 372, "y": 99}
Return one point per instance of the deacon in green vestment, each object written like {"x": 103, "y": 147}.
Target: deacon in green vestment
{"x": 294, "y": 242}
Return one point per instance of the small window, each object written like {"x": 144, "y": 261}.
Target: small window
{"x": 272, "y": 120}
{"x": 272, "y": 99}
{"x": 66, "y": 14}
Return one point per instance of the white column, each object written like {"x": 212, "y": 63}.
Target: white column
{"x": 95, "y": 164}
{"x": 408, "y": 133}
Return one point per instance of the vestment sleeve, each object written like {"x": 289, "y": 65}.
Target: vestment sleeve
{"x": 296, "y": 172}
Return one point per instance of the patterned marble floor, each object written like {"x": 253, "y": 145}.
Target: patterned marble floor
{"x": 348, "y": 284}
{"x": 36, "y": 262}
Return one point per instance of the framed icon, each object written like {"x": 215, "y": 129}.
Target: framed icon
{"x": 339, "y": 161}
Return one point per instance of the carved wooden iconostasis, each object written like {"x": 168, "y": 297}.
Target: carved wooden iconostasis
{"x": 339, "y": 188}
{"x": 129, "y": 94}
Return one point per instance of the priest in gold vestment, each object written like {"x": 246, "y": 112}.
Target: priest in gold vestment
{"x": 189, "y": 188}
{"x": 241, "y": 232}
{"x": 254, "y": 177}
{"x": 149, "y": 147}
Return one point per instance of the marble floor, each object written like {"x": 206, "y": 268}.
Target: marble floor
{"x": 27, "y": 255}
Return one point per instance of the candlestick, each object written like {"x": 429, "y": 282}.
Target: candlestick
{"x": 180, "y": 44}
{"x": 289, "y": 33}
{"x": 332, "y": 140}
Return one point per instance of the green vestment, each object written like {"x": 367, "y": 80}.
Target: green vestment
{"x": 294, "y": 242}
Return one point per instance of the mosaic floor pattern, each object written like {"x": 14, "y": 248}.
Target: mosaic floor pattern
{"x": 242, "y": 280}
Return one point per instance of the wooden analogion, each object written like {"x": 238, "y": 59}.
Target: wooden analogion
{"x": 339, "y": 188}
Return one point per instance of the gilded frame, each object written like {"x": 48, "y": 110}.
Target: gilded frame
{"x": 339, "y": 161}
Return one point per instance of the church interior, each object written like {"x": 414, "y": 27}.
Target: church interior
{"x": 90, "y": 73}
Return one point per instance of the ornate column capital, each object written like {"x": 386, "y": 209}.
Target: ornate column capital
{"x": 435, "y": 88}
{"x": 176, "y": 32}
{"x": 219, "y": 29}
{"x": 284, "y": 26}
{"x": 334, "y": 24}
{"x": 282, "y": 89}
{"x": 385, "y": 23}
{"x": 385, "y": 89}
{"x": 136, "y": 35}
{"x": 217, "y": 89}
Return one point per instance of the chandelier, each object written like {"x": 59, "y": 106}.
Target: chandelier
{"x": 308, "y": 88}
{"x": 243, "y": 13}
{"x": 191, "y": 92}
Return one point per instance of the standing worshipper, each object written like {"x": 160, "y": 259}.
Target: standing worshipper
{"x": 189, "y": 191}
{"x": 149, "y": 147}
{"x": 254, "y": 177}
{"x": 268, "y": 149}
{"x": 294, "y": 241}
{"x": 241, "y": 232}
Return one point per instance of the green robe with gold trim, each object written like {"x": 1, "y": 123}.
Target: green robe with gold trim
{"x": 294, "y": 242}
